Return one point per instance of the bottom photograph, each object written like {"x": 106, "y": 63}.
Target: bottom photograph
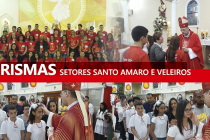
{"x": 56, "y": 111}
{"x": 161, "y": 111}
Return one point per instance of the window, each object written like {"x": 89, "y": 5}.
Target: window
{"x": 192, "y": 13}
{"x": 24, "y": 85}
{"x": 9, "y": 86}
{"x": 155, "y": 85}
{"x": 171, "y": 84}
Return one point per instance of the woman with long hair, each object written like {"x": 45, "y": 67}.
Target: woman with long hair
{"x": 4, "y": 46}
{"x": 22, "y": 45}
{"x": 185, "y": 129}
{"x": 103, "y": 39}
{"x": 38, "y": 60}
{"x": 15, "y": 49}
{"x": 64, "y": 47}
{"x": 171, "y": 113}
{"x": 108, "y": 64}
{"x": 109, "y": 44}
{"x": 175, "y": 57}
{"x": 92, "y": 63}
{"x": 70, "y": 61}
{"x": 53, "y": 46}
{"x": 11, "y": 57}
{"x": 2, "y": 59}
{"x": 99, "y": 127}
{"x": 29, "y": 59}
{"x": 85, "y": 46}
{"x": 97, "y": 45}
{"x": 73, "y": 43}
{"x": 31, "y": 44}
{"x": 13, "y": 39}
{"x": 28, "y": 33}
{"x": 159, "y": 122}
{"x": 59, "y": 60}
{"x": 47, "y": 59}
{"x": 151, "y": 42}
{"x": 99, "y": 57}
{"x": 19, "y": 30}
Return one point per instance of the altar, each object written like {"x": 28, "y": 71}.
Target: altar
{"x": 206, "y": 52}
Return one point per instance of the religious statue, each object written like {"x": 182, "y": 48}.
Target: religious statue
{"x": 162, "y": 9}
{"x": 61, "y": 10}
{"x": 6, "y": 26}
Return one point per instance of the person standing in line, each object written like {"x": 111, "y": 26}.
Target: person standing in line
{"x": 149, "y": 104}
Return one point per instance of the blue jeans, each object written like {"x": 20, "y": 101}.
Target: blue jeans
{"x": 53, "y": 55}
{"x": 161, "y": 138}
{"x": 64, "y": 55}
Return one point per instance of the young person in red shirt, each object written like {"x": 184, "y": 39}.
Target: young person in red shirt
{"x": 2, "y": 59}
{"x": 99, "y": 58}
{"x": 14, "y": 31}
{"x": 91, "y": 37}
{"x": 15, "y": 50}
{"x": 85, "y": 46}
{"x": 92, "y": 64}
{"x": 81, "y": 36}
{"x": 28, "y": 33}
{"x": 36, "y": 32}
{"x": 41, "y": 46}
{"x": 63, "y": 33}
{"x": 19, "y": 30}
{"x": 57, "y": 37}
{"x": 13, "y": 39}
{"x": 22, "y": 46}
{"x": 103, "y": 39}
{"x": 82, "y": 61}
{"x": 11, "y": 57}
{"x": 64, "y": 47}
{"x": 47, "y": 59}
{"x": 4, "y": 46}
{"x": 38, "y": 60}
{"x": 135, "y": 52}
{"x": 52, "y": 31}
{"x": 53, "y": 46}
{"x": 70, "y": 61}
{"x": 97, "y": 46}
{"x": 46, "y": 34}
{"x": 109, "y": 44}
{"x": 175, "y": 57}
{"x": 6, "y": 34}
{"x": 29, "y": 59}
{"x": 73, "y": 43}
{"x": 29, "y": 30}
{"x": 80, "y": 29}
{"x": 92, "y": 28}
{"x": 68, "y": 31}
{"x": 106, "y": 65}
{"x": 59, "y": 60}
{"x": 31, "y": 44}
{"x": 104, "y": 33}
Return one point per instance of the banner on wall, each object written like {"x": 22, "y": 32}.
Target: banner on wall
{"x": 145, "y": 86}
{"x": 114, "y": 88}
{"x": 128, "y": 87}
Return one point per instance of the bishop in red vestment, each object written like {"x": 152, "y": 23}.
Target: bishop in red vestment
{"x": 191, "y": 45}
{"x": 76, "y": 123}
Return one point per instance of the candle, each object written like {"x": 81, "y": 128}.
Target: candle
{"x": 207, "y": 32}
{"x": 201, "y": 31}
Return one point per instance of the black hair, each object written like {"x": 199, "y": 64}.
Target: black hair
{"x": 13, "y": 95}
{"x": 100, "y": 44}
{"x": 156, "y": 111}
{"x": 16, "y": 49}
{"x": 43, "y": 97}
{"x": 92, "y": 55}
{"x": 67, "y": 43}
{"x": 92, "y": 27}
{"x": 148, "y": 94}
{"x": 101, "y": 25}
{"x": 14, "y": 27}
{"x": 130, "y": 100}
{"x": 25, "y": 105}
{"x": 138, "y": 103}
{"x": 31, "y": 116}
{"x": 5, "y": 31}
{"x": 138, "y": 32}
{"x": 136, "y": 98}
{"x": 29, "y": 25}
{"x": 166, "y": 107}
{"x": 11, "y": 107}
{"x": 53, "y": 38}
{"x": 101, "y": 58}
{"x": 52, "y": 101}
{"x": 22, "y": 98}
{"x": 20, "y": 30}
{"x": 170, "y": 109}
{"x": 112, "y": 39}
{"x": 180, "y": 114}
{"x": 44, "y": 57}
{"x": 87, "y": 97}
{"x": 36, "y": 24}
{"x": 21, "y": 36}
{"x": 37, "y": 55}
{"x": 32, "y": 57}
{"x": 2, "y": 39}
{"x": 1, "y": 52}
{"x": 105, "y": 107}
{"x": 8, "y": 58}
{"x": 80, "y": 25}
{"x": 55, "y": 30}
{"x": 33, "y": 37}
{"x": 121, "y": 96}
{"x": 190, "y": 96}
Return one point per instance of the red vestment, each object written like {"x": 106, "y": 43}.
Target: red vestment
{"x": 71, "y": 126}
{"x": 194, "y": 43}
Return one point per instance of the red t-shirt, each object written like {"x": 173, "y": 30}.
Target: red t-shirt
{"x": 4, "y": 47}
{"x": 78, "y": 32}
{"x": 59, "y": 65}
{"x": 104, "y": 34}
{"x": 109, "y": 45}
{"x": 36, "y": 34}
{"x": 73, "y": 41}
{"x": 15, "y": 32}
{"x": 85, "y": 46}
{"x": 3, "y": 60}
{"x": 59, "y": 32}
{"x": 14, "y": 61}
{"x": 46, "y": 35}
{"x": 70, "y": 63}
{"x": 22, "y": 47}
{"x": 96, "y": 49}
{"x": 58, "y": 39}
{"x": 63, "y": 48}
{"x": 39, "y": 62}
{"x": 82, "y": 62}
{"x": 31, "y": 46}
{"x": 52, "y": 46}
{"x": 94, "y": 34}
{"x": 80, "y": 39}
{"x": 48, "y": 60}
{"x": 136, "y": 54}
{"x": 103, "y": 40}
{"x": 90, "y": 39}
{"x": 12, "y": 42}
{"x": 68, "y": 33}
{"x": 27, "y": 39}
{"x": 41, "y": 47}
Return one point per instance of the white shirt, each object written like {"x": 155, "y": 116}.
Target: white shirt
{"x": 127, "y": 114}
{"x": 3, "y": 115}
{"x": 12, "y": 129}
{"x": 140, "y": 124}
{"x": 160, "y": 126}
{"x": 37, "y": 130}
{"x": 145, "y": 48}
{"x": 118, "y": 104}
{"x": 187, "y": 134}
{"x": 91, "y": 108}
{"x": 120, "y": 113}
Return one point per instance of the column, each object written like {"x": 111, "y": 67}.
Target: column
{"x": 173, "y": 18}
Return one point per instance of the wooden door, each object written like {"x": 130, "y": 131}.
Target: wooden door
{"x": 54, "y": 96}
{"x": 156, "y": 97}
{"x": 8, "y": 98}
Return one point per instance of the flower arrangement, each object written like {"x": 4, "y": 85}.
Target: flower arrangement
{"x": 159, "y": 23}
